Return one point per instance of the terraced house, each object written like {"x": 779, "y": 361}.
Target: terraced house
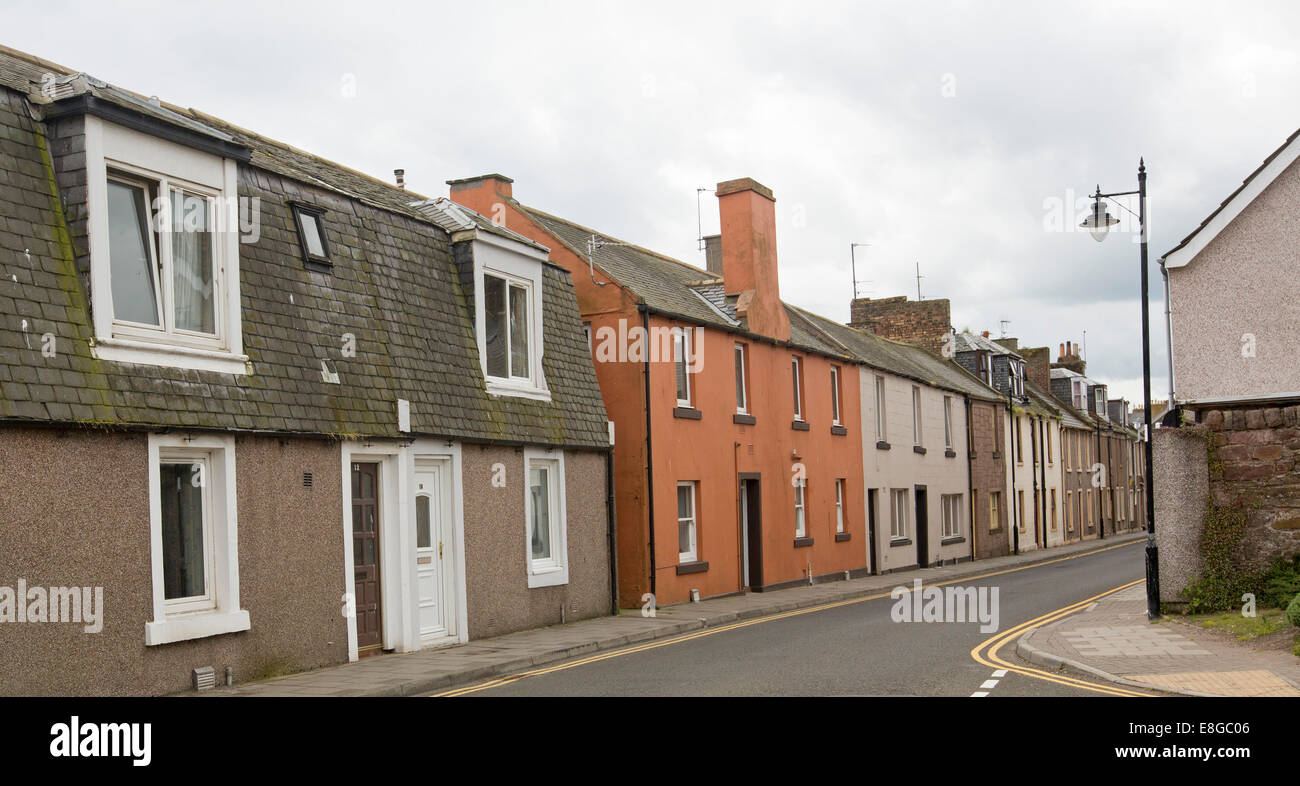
{"x": 738, "y": 457}
{"x": 280, "y": 414}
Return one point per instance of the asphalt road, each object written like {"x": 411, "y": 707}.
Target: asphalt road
{"x": 852, "y": 650}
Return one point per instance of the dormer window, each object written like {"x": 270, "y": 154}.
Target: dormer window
{"x": 983, "y": 360}
{"x": 508, "y": 315}
{"x": 164, "y": 251}
{"x": 311, "y": 237}
{"x": 1017, "y": 374}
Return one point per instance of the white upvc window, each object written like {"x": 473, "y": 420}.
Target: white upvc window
{"x": 916, "y": 416}
{"x": 947, "y": 422}
{"x": 1016, "y": 369}
{"x": 898, "y": 524}
{"x": 880, "y": 409}
{"x": 194, "y": 544}
{"x": 995, "y": 510}
{"x": 800, "y": 513}
{"x": 835, "y": 396}
{"x": 687, "y": 550}
{"x": 508, "y": 316}
{"x": 742, "y": 389}
{"x": 545, "y": 522}
{"x": 839, "y": 505}
{"x": 796, "y": 370}
{"x": 683, "y": 362}
{"x": 163, "y": 234}
{"x": 952, "y": 510}
{"x": 984, "y": 372}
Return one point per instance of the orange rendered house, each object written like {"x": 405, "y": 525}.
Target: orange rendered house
{"x": 737, "y": 428}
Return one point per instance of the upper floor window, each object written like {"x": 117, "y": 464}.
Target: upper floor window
{"x": 947, "y": 422}
{"x": 742, "y": 393}
{"x": 796, "y": 370}
{"x": 984, "y": 372}
{"x": 508, "y": 316}
{"x": 1077, "y": 394}
{"x": 880, "y": 409}
{"x": 164, "y": 251}
{"x": 1016, "y": 369}
{"x": 835, "y": 395}
{"x": 916, "y": 415}
{"x": 682, "y": 360}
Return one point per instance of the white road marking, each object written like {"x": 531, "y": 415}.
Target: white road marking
{"x": 1000, "y": 673}
{"x": 979, "y": 693}
{"x": 989, "y": 685}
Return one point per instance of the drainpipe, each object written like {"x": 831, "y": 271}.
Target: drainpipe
{"x": 1101, "y": 520}
{"x": 1044, "y": 428}
{"x": 1034, "y": 442}
{"x": 649, "y": 458}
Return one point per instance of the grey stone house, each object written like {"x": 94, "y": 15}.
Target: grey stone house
{"x": 263, "y": 413}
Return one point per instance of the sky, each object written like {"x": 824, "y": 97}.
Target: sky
{"x": 962, "y": 137}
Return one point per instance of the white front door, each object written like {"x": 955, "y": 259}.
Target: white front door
{"x": 433, "y": 551}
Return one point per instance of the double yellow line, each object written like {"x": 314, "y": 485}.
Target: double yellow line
{"x": 987, "y": 651}
{"x": 496, "y": 683}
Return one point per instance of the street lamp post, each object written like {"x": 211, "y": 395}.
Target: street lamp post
{"x": 1099, "y": 223}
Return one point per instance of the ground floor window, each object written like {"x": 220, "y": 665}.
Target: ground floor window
{"x": 898, "y": 525}
{"x": 686, "y": 549}
{"x": 951, "y": 504}
{"x": 545, "y": 519}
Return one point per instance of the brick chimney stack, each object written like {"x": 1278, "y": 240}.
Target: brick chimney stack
{"x": 1069, "y": 358}
{"x": 922, "y": 323}
{"x": 1038, "y": 365}
{"x": 748, "y": 218}
{"x": 483, "y": 194}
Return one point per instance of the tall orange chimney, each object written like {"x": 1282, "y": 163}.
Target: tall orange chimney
{"x": 748, "y": 212}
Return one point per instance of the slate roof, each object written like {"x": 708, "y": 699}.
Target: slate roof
{"x": 394, "y": 287}
{"x": 898, "y": 358}
{"x": 967, "y": 341}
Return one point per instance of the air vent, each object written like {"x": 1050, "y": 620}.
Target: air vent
{"x": 306, "y": 480}
{"x": 205, "y": 678}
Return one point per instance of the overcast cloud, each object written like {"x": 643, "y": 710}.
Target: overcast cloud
{"x": 939, "y": 134}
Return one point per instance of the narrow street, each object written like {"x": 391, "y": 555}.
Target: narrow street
{"x": 848, "y": 650}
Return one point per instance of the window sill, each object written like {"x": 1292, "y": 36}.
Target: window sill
{"x": 950, "y": 453}
{"x": 194, "y": 626}
{"x": 147, "y": 353}
{"x": 687, "y": 413}
{"x": 952, "y": 540}
{"x": 997, "y": 455}
{"x": 839, "y": 431}
{"x": 692, "y": 567}
{"x": 918, "y": 449}
{"x": 840, "y": 537}
{"x": 548, "y": 577}
{"x": 743, "y": 419}
{"x": 882, "y": 445}
{"x": 900, "y": 542}
{"x": 802, "y": 542}
{"x": 497, "y": 387}
{"x": 800, "y": 425}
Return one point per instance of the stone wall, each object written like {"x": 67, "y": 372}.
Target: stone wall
{"x": 924, "y": 323}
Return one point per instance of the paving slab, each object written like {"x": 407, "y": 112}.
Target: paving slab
{"x": 1113, "y": 639}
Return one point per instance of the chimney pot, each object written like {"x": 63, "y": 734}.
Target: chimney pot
{"x": 985, "y": 334}
{"x": 400, "y": 174}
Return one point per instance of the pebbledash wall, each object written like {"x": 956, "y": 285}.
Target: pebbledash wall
{"x": 75, "y": 510}
{"x": 1245, "y": 455}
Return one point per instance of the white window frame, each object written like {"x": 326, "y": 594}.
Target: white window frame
{"x": 742, "y": 383}
{"x": 691, "y": 555}
{"x": 165, "y": 165}
{"x": 552, "y": 571}
{"x": 880, "y": 409}
{"x": 985, "y": 366}
{"x": 839, "y": 505}
{"x": 682, "y": 360}
{"x": 521, "y": 265}
{"x": 218, "y": 611}
{"x": 995, "y": 510}
{"x": 916, "y": 415}
{"x": 801, "y": 508}
{"x": 947, "y": 422}
{"x": 899, "y": 517}
{"x": 835, "y": 396}
{"x": 796, "y": 369}
{"x": 952, "y": 519}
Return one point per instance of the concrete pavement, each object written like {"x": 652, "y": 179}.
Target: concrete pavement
{"x": 1114, "y": 640}
{"x": 429, "y": 671}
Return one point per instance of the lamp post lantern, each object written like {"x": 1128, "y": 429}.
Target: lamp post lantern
{"x": 1099, "y": 223}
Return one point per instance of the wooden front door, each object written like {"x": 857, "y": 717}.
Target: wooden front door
{"x": 365, "y": 554}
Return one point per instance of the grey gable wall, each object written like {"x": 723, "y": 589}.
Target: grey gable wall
{"x": 394, "y": 287}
